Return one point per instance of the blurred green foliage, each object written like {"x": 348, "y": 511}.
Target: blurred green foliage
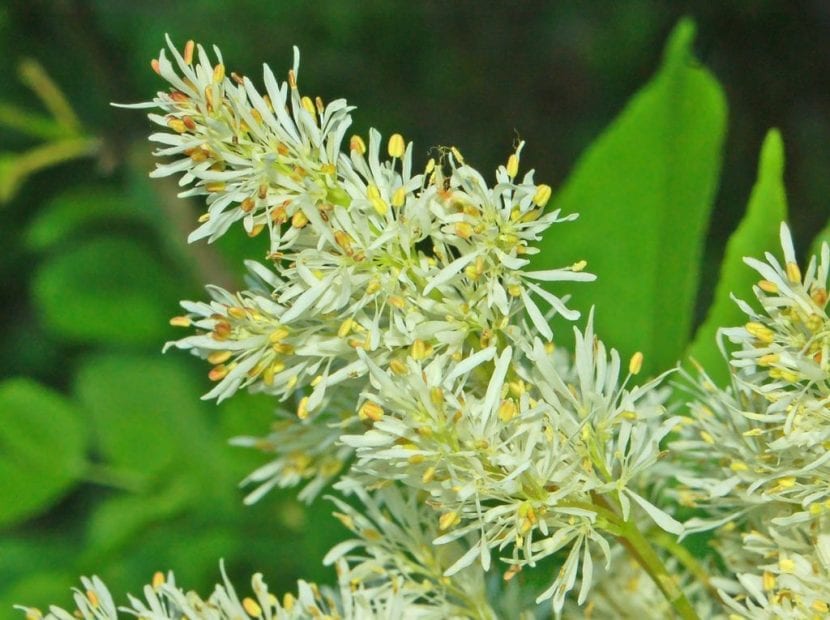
{"x": 110, "y": 463}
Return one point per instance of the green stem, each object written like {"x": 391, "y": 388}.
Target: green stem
{"x": 641, "y": 550}
{"x": 106, "y": 476}
{"x": 684, "y": 556}
{"x": 653, "y": 565}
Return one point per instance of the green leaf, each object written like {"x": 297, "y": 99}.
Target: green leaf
{"x": 71, "y": 211}
{"x": 822, "y": 237}
{"x": 145, "y": 410}
{"x": 756, "y": 234}
{"x": 42, "y": 446}
{"x": 120, "y": 520}
{"x": 108, "y": 291}
{"x": 644, "y": 191}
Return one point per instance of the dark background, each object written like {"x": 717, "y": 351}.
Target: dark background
{"x": 470, "y": 74}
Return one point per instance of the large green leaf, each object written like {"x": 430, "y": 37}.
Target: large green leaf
{"x": 41, "y": 448}
{"x": 144, "y": 410}
{"x": 644, "y": 191}
{"x": 66, "y": 215}
{"x": 109, "y": 291}
{"x": 756, "y": 234}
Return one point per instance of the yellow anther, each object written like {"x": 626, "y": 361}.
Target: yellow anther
{"x": 399, "y": 367}
{"x": 292, "y": 79}
{"x": 302, "y": 408}
{"x": 515, "y": 290}
{"x": 345, "y": 328}
{"x": 370, "y": 411}
{"x": 217, "y": 373}
{"x": 768, "y": 287}
{"x": 299, "y": 220}
{"x": 251, "y": 607}
{"x": 343, "y": 239}
{"x": 257, "y": 228}
{"x": 308, "y": 106}
{"x": 819, "y": 295}
{"x": 542, "y": 195}
{"x": 707, "y": 438}
{"x": 428, "y": 475}
{"x": 457, "y": 154}
{"x": 397, "y": 146}
{"x": 219, "y": 357}
{"x": 787, "y": 482}
{"x": 448, "y": 520}
{"x": 793, "y": 273}
{"x": 177, "y": 125}
{"x": 205, "y": 217}
{"x": 373, "y": 286}
{"x": 180, "y": 321}
{"x": 158, "y": 580}
{"x": 188, "y": 52}
{"x": 247, "y": 205}
{"x": 737, "y": 466}
{"x": 761, "y": 332}
{"x": 636, "y": 363}
{"x": 507, "y": 410}
{"x": 356, "y": 143}
{"x": 464, "y": 230}
{"x": 215, "y": 186}
{"x": 399, "y": 198}
{"x": 277, "y": 335}
{"x": 786, "y": 565}
{"x": 316, "y": 381}
{"x": 512, "y": 166}
{"x": 579, "y": 265}
{"x": 155, "y": 65}
{"x": 33, "y": 614}
{"x": 92, "y": 598}
{"x": 421, "y": 350}
{"x": 436, "y": 395}
{"x": 430, "y": 166}
{"x": 218, "y": 73}
{"x": 321, "y": 107}
{"x": 397, "y": 301}
{"x": 237, "y": 312}
{"x": 820, "y": 606}
{"x": 768, "y": 360}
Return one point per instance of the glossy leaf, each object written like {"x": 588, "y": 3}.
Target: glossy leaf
{"x": 109, "y": 291}
{"x": 144, "y": 410}
{"x": 644, "y": 191}
{"x": 42, "y": 445}
{"x": 66, "y": 215}
{"x": 757, "y": 233}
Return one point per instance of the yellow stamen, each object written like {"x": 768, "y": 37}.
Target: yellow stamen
{"x": 218, "y": 73}
{"x": 370, "y": 411}
{"x": 397, "y": 146}
{"x": 793, "y": 273}
{"x": 180, "y": 321}
{"x": 768, "y": 287}
{"x": 302, "y": 408}
{"x": 158, "y": 580}
{"x": 542, "y": 195}
{"x": 512, "y": 166}
{"x": 448, "y": 519}
{"x": 636, "y": 363}
{"x": 252, "y": 607}
{"x": 188, "y": 52}
{"x": 357, "y": 144}
{"x": 399, "y": 197}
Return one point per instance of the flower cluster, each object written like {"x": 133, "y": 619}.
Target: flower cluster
{"x": 395, "y": 312}
{"x": 756, "y": 454}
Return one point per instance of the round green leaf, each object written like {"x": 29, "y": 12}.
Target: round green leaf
{"x": 145, "y": 410}
{"x": 42, "y": 444}
{"x": 72, "y": 211}
{"x": 110, "y": 291}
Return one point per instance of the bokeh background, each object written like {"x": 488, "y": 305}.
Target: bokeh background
{"x": 122, "y": 470}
